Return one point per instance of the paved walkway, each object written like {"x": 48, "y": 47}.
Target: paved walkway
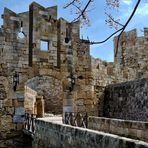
{"x": 55, "y": 119}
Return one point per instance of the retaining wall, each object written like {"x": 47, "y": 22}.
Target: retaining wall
{"x": 126, "y": 128}
{"x": 54, "y": 135}
{"x": 128, "y": 100}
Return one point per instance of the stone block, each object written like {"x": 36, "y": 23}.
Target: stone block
{"x": 18, "y": 119}
{"x": 88, "y": 102}
{"x": 15, "y": 102}
{"x": 6, "y": 124}
{"x": 67, "y": 101}
{"x": 80, "y": 102}
{"x": 8, "y": 103}
{"x": 20, "y": 96}
{"x": 20, "y": 103}
{"x": 19, "y": 111}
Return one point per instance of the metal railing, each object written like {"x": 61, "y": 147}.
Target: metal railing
{"x": 76, "y": 119}
{"x": 29, "y": 124}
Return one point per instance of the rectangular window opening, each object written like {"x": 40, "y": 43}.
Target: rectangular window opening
{"x": 44, "y": 45}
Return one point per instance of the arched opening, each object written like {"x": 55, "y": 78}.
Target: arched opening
{"x": 48, "y": 91}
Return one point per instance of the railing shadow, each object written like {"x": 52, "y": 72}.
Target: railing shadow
{"x": 29, "y": 124}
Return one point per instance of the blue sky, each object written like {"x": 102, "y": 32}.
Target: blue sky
{"x": 98, "y": 30}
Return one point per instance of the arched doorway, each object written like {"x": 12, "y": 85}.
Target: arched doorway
{"x": 51, "y": 90}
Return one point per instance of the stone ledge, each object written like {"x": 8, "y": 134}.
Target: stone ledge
{"x": 50, "y": 134}
{"x": 128, "y": 128}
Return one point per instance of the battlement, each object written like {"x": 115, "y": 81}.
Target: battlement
{"x": 130, "y": 38}
{"x": 132, "y": 50}
{"x": 10, "y": 17}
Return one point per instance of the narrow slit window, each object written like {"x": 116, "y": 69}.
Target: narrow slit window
{"x": 44, "y": 45}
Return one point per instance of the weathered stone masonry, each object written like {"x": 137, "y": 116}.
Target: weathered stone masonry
{"x": 128, "y": 100}
{"x": 52, "y": 135}
{"x": 125, "y": 128}
{"x": 132, "y": 55}
{"x": 51, "y": 89}
{"x": 66, "y": 57}
{"x": 65, "y": 74}
{"x": 130, "y": 63}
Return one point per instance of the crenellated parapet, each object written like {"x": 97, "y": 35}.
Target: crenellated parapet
{"x": 132, "y": 53}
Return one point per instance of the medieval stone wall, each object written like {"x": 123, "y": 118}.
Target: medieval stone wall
{"x": 76, "y": 81}
{"x": 130, "y": 63}
{"x": 66, "y": 57}
{"x": 125, "y": 128}
{"x": 84, "y": 87}
{"x": 103, "y": 74}
{"x": 30, "y": 96}
{"x": 132, "y": 55}
{"x": 52, "y": 134}
{"x": 128, "y": 100}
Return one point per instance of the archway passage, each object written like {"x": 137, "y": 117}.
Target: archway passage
{"x": 39, "y": 106}
{"x": 51, "y": 90}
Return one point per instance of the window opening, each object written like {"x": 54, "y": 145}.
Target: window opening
{"x": 67, "y": 38}
{"x": 21, "y": 34}
{"x": 44, "y": 45}
{"x": 80, "y": 77}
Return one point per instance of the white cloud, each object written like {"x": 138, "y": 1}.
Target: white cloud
{"x": 127, "y": 2}
{"x": 143, "y": 10}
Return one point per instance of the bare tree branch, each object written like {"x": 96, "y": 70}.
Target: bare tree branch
{"x": 77, "y": 7}
{"x": 82, "y": 13}
{"x": 111, "y": 3}
{"x": 121, "y": 29}
{"x": 69, "y": 4}
{"x": 112, "y": 19}
{"x": 100, "y": 42}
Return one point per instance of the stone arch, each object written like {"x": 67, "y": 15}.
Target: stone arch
{"x": 52, "y": 91}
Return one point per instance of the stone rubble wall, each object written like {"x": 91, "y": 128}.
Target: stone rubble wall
{"x": 127, "y": 100}
{"x": 50, "y": 135}
{"x": 132, "y": 54}
{"x": 84, "y": 81}
{"x": 130, "y": 63}
{"x": 103, "y": 74}
{"x": 125, "y": 128}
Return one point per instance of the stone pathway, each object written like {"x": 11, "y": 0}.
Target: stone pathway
{"x": 55, "y": 119}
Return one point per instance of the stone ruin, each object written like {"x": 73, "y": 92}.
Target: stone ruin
{"x": 50, "y": 61}
{"x": 56, "y": 73}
